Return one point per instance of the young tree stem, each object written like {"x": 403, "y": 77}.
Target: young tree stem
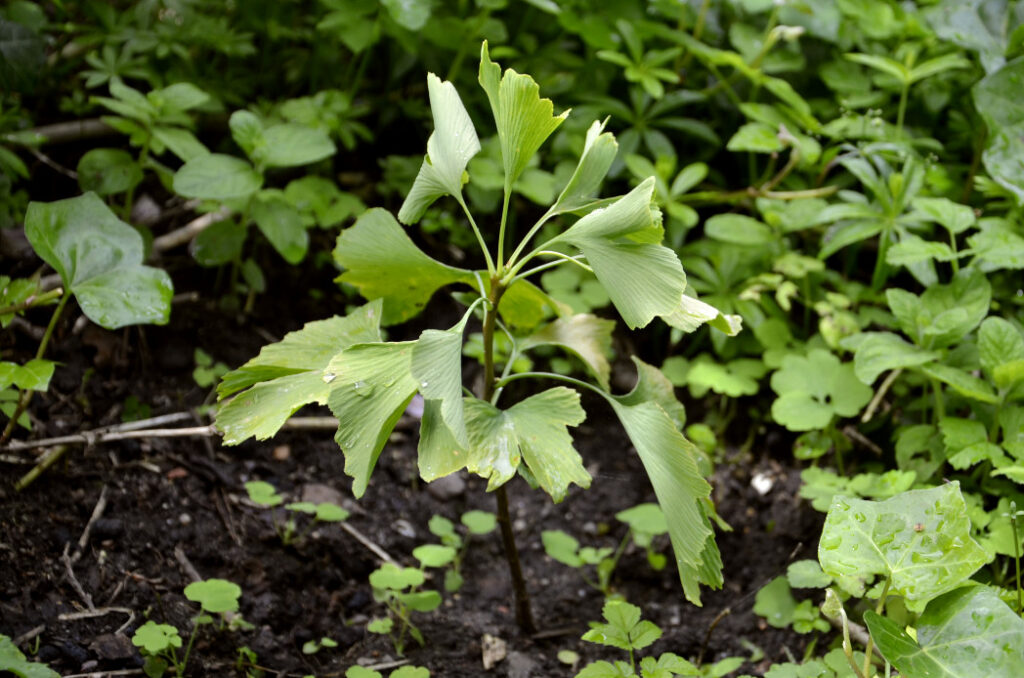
{"x": 524, "y": 614}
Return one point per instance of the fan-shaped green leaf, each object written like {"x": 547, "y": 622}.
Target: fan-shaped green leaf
{"x": 437, "y": 367}
{"x": 99, "y": 260}
{"x": 523, "y": 119}
{"x": 381, "y": 261}
{"x": 449, "y": 149}
{"x": 599, "y": 151}
{"x": 586, "y": 335}
{"x": 371, "y": 385}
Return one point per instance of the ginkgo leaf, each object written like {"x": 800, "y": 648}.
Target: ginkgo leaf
{"x": 437, "y": 367}
{"x": 671, "y": 463}
{"x": 540, "y": 423}
{"x": 586, "y": 335}
{"x": 692, "y": 313}
{"x": 449, "y": 149}
{"x": 523, "y": 119}
{"x": 371, "y": 385}
{"x": 599, "y": 151}
{"x": 381, "y": 261}
{"x": 643, "y": 279}
{"x": 494, "y": 450}
{"x": 438, "y": 453}
{"x": 289, "y": 374}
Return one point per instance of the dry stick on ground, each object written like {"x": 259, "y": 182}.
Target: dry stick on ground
{"x": 29, "y": 635}
{"x": 70, "y": 572}
{"x": 101, "y": 612}
{"x": 100, "y": 674}
{"x": 186, "y": 564}
{"x": 97, "y": 511}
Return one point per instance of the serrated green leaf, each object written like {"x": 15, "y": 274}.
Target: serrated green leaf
{"x": 372, "y": 386}
{"x": 920, "y": 540}
{"x": 523, "y": 119}
{"x": 962, "y": 382}
{"x": 541, "y": 423}
{"x": 217, "y": 177}
{"x": 99, "y": 260}
{"x": 883, "y": 351}
{"x": 642, "y": 278}
{"x": 449, "y": 149}
{"x": 381, "y": 261}
{"x": 585, "y": 335}
{"x": 966, "y": 632}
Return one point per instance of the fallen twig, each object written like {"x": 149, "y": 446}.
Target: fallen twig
{"x": 190, "y": 230}
{"x": 101, "y": 612}
{"x": 100, "y": 674}
{"x": 29, "y": 635}
{"x": 44, "y": 463}
{"x": 186, "y": 564}
{"x": 97, "y": 511}
{"x": 70, "y": 571}
{"x": 365, "y": 541}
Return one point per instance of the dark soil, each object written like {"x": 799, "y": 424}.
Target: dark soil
{"x": 179, "y": 503}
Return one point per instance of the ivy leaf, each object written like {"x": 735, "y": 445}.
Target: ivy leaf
{"x": 99, "y": 260}
{"x": 671, "y": 463}
{"x": 599, "y": 151}
{"x": 449, "y": 149}
{"x": 815, "y": 388}
{"x": 966, "y": 632}
{"x": 523, "y": 119}
{"x": 585, "y": 335}
{"x": 381, "y": 261}
{"x": 217, "y": 177}
{"x": 371, "y": 385}
{"x": 34, "y": 375}
{"x": 289, "y": 374}
{"x": 642, "y": 278}
{"x": 920, "y": 540}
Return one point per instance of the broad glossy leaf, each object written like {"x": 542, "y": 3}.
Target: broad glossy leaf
{"x": 523, "y": 119}
{"x": 411, "y": 14}
{"x": 883, "y": 351}
{"x": 966, "y": 632}
{"x": 108, "y": 171}
{"x": 692, "y": 313}
{"x": 983, "y": 26}
{"x": 291, "y": 145}
{"x": 599, "y": 151}
{"x": 381, "y": 261}
{"x": 437, "y": 367}
{"x": 964, "y": 383}
{"x": 449, "y": 149}
{"x": 371, "y": 386}
{"x": 99, "y": 260}
{"x": 738, "y": 230}
{"x": 671, "y": 464}
{"x": 642, "y": 278}
{"x": 996, "y": 100}
{"x": 999, "y": 344}
{"x": 920, "y": 540}
{"x": 289, "y": 374}
{"x": 283, "y": 226}
{"x": 586, "y": 335}
{"x": 217, "y": 177}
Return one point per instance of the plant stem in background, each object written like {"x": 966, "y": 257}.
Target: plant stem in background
{"x": 524, "y": 613}
{"x": 871, "y": 641}
{"x": 25, "y": 397}
{"x": 1016, "y": 553}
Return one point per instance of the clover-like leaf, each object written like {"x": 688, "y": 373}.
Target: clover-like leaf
{"x": 99, "y": 260}
{"x": 155, "y": 638}
{"x": 381, "y": 261}
{"x": 523, "y": 119}
{"x": 966, "y": 632}
{"x": 371, "y": 385}
{"x": 449, "y": 149}
{"x": 396, "y": 578}
{"x": 624, "y": 628}
{"x": 920, "y": 540}
{"x": 214, "y": 595}
{"x": 289, "y": 374}
{"x": 814, "y": 389}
